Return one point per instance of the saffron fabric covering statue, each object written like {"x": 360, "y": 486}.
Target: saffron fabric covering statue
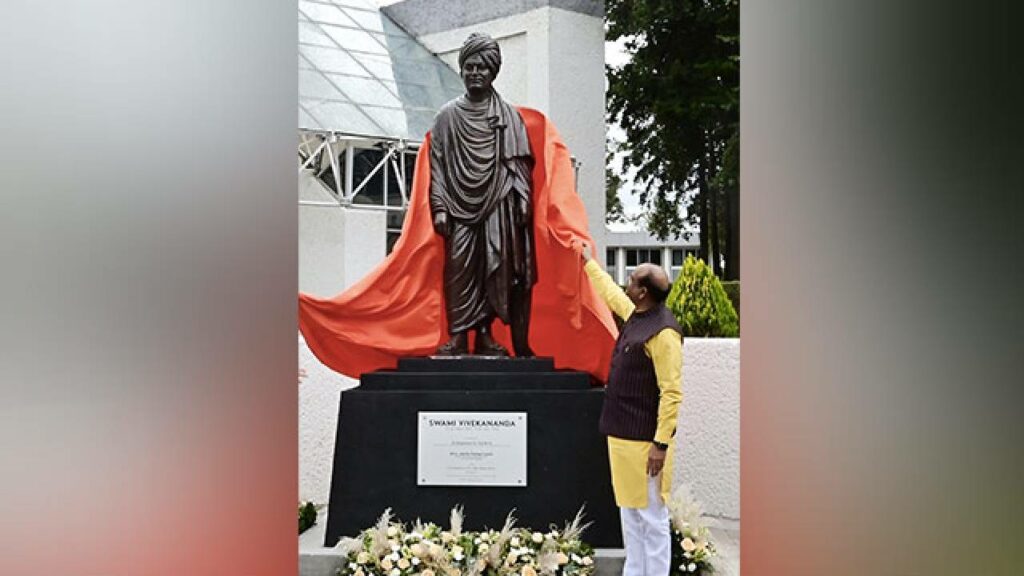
{"x": 399, "y": 308}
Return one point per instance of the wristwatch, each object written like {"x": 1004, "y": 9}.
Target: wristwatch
{"x": 660, "y": 445}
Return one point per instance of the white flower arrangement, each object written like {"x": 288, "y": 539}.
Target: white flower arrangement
{"x": 390, "y": 548}
{"x": 692, "y": 548}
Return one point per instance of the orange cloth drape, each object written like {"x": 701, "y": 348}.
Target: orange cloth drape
{"x": 398, "y": 308}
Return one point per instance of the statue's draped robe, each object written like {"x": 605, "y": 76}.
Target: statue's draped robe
{"x": 480, "y": 176}
{"x": 398, "y": 308}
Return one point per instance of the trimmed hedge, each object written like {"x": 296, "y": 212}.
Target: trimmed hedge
{"x": 732, "y": 290}
{"x": 701, "y": 304}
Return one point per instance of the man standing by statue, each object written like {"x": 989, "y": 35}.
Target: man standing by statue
{"x": 640, "y": 408}
{"x": 481, "y": 203}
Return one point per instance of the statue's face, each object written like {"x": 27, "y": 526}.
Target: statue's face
{"x": 476, "y": 75}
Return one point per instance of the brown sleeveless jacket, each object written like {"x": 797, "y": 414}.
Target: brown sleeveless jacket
{"x": 630, "y": 408}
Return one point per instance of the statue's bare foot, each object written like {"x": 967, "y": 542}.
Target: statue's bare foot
{"x": 457, "y": 346}
{"x": 486, "y": 346}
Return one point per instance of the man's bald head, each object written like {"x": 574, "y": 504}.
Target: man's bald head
{"x": 655, "y": 280}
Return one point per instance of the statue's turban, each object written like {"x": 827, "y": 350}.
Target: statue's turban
{"x": 486, "y": 47}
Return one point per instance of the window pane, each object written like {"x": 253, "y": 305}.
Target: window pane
{"x": 380, "y": 66}
{"x": 410, "y": 171}
{"x": 395, "y": 219}
{"x": 340, "y": 116}
{"x": 391, "y": 119}
{"x": 372, "y": 21}
{"x": 312, "y": 84}
{"x": 610, "y": 256}
{"x": 365, "y": 90}
{"x": 391, "y": 240}
{"x": 631, "y": 257}
{"x": 310, "y": 33}
{"x": 364, "y": 162}
{"x": 654, "y": 256}
{"x": 307, "y": 121}
{"x": 358, "y": 40}
{"x": 394, "y": 193}
{"x": 331, "y": 60}
{"x": 677, "y": 257}
{"x": 323, "y": 13}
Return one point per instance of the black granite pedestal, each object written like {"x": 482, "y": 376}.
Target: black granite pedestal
{"x": 375, "y": 457}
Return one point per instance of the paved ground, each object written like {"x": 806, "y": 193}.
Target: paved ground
{"x": 315, "y": 560}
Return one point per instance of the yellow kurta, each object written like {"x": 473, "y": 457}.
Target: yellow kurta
{"x": 628, "y": 458}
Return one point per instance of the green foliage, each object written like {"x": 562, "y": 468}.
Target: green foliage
{"x": 677, "y": 99}
{"x": 307, "y": 516}
{"x": 613, "y": 211}
{"x": 700, "y": 304}
{"x": 732, "y": 290}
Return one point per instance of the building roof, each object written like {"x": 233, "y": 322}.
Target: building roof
{"x": 361, "y": 74}
{"x": 422, "y": 17}
{"x": 643, "y": 239}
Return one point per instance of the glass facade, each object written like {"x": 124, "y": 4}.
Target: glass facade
{"x": 361, "y": 74}
{"x": 363, "y": 78}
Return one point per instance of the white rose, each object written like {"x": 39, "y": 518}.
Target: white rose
{"x": 416, "y": 549}
{"x": 403, "y": 564}
{"x": 587, "y": 561}
{"x": 528, "y": 571}
{"x": 562, "y": 558}
{"x": 392, "y": 531}
{"x": 395, "y": 572}
{"x": 484, "y": 547}
{"x": 427, "y": 572}
{"x": 359, "y": 572}
{"x": 415, "y": 561}
{"x": 688, "y": 544}
{"x": 537, "y": 537}
{"x": 692, "y": 567}
{"x": 386, "y": 564}
{"x": 363, "y": 558}
{"x": 515, "y": 541}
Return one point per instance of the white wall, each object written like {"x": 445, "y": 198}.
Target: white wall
{"x": 708, "y": 433}
{"x": 337, "y": 246}
{"x": 707, "y": 437}
{"x": 319, "y": 394}
{"x": 552, "y": 60}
